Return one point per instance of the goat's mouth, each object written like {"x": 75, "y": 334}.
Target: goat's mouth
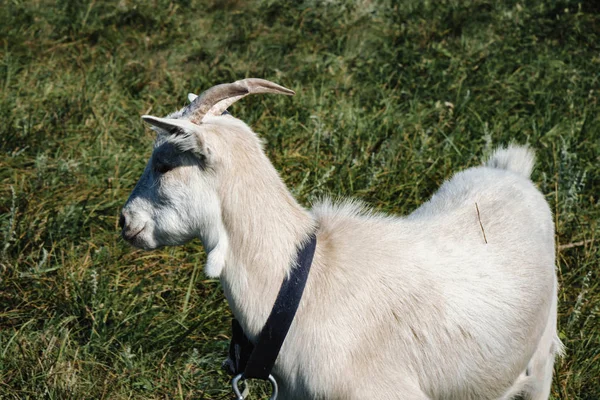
{"x": 131, "y": 237}
{"x": 141, "y": 239}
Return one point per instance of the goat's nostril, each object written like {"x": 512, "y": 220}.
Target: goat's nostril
{"x": 122, "y": 221}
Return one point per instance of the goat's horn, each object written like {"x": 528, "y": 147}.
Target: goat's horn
{"x": 217, "y": 99}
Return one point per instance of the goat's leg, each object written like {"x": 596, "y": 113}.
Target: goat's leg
{"x": 539, "y": 381}
{"x": 535, "y": 383}
{"x": 542, "y": 363}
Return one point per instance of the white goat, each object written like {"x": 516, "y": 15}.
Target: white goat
{"x": 454, "y": 301}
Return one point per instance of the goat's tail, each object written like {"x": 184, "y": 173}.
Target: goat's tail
{"x": 518, "y": 159}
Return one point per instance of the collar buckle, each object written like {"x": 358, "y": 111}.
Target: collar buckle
{"x": 241, "y": 395}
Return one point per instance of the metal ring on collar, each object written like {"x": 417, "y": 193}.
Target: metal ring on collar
{"x": 242, "y": 395}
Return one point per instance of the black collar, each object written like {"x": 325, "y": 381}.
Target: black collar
{"x": 256, "y": 361}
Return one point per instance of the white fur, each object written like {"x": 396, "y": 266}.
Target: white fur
{"x": 415, "y": 307}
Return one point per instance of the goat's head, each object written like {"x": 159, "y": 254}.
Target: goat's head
{"x": 177, "y": 197}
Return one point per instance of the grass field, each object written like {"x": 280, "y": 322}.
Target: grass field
{"x": 392, "y": 98}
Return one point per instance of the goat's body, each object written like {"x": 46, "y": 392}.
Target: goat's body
{"x": 454, "y": 301}
{"x": 421, "y": 306}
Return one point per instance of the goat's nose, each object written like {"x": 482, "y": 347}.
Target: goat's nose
{"x": 122, "y": 221}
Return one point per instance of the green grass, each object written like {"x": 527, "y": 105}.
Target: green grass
{"x": 392, "y": 98}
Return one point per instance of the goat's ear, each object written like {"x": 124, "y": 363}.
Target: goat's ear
{"x": 192, "y": 96}
{"x": 169, "y": 125}
{"x": 182, "y": 133}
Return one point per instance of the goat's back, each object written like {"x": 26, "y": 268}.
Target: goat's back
{"x": 455, "y": 296}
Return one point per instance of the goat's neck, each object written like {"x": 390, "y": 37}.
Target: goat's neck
{"x": 265, "y": 226}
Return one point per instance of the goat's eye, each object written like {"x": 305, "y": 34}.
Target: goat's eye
{"x": 162, "y": 168}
